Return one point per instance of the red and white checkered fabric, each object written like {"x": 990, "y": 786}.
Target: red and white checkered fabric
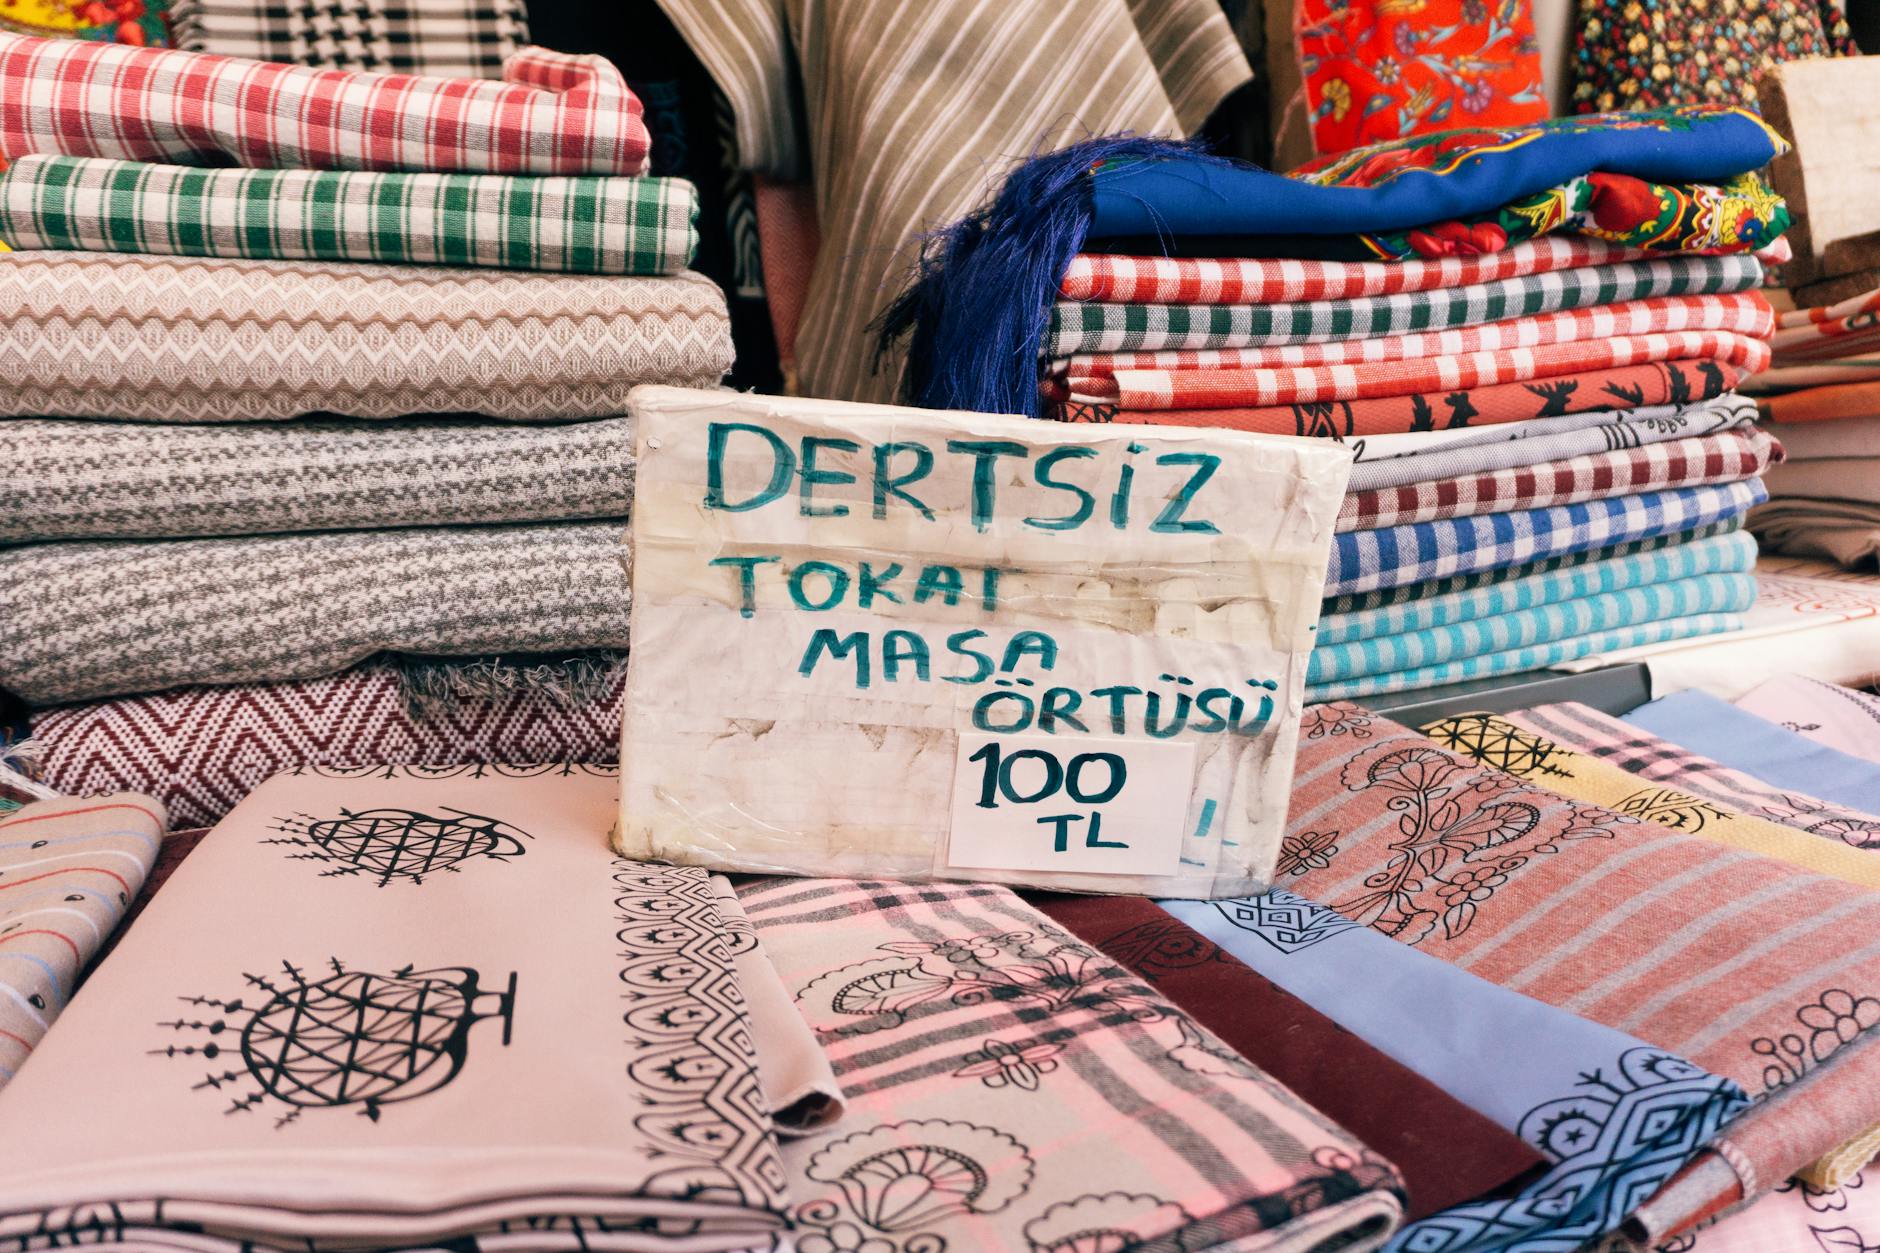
{"x": 1266, "y": 280}
{"x": 1744, "y": 313}
{"x": 1727, "y": 457}
{"x": 1231, "y": 389}
{"x": 551, "y": 114}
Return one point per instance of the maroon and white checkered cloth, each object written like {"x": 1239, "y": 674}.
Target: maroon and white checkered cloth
{"x": 1742, "y": 313}
{"x": 551, "y": 114}
{"x": 1237, "y": 389}
{"x": 1726, "y": 457}
{"x": 1265, "y": 280}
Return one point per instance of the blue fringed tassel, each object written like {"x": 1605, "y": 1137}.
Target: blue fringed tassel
{"x": 977, "y": 312}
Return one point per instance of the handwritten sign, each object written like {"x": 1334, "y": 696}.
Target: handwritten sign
{"x": 842, "y": 612}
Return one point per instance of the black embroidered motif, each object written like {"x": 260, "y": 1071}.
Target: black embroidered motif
{"x": 1112, "y": 1220}
{"x": 349, "y": 1038}
{"x": 1830, "y": 1023}
{"x": 1309, "y": 850}
{"x": 477, "y": 770}
{"x": 389, "y": 844}
{"x": 1323, "y": 419}
{"x": 1328, "y": 721}
{"x": 1498, "y": 745}
{"x": 898, "y": 1178}
{"x": 1003, "y": 1063}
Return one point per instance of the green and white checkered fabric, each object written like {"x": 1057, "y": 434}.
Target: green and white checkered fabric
{"x": 573, "y": 225}
{"x": 1095, "y": 327}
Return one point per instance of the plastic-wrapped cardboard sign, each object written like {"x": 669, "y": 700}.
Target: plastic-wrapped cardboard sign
{"x": 895, "y": 643}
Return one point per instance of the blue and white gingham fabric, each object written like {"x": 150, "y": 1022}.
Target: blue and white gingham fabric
{"x": 1533, "y": 657}
{"x": 1542, "y": 624}
{"x": 1396, "y": 555}
{"x": 1732, "y": 553}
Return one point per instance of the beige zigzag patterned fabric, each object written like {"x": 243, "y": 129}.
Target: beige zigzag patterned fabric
{"x": 124, "y": 480}
{"x": 89, "y": 619}
{"x": 197, "y": 339}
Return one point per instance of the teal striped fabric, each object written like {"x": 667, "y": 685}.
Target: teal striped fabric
{"x": 1732, "y": 553}
{"x": 571, "y": 225}
{"x": 1533, "y": 657}
{"x": 1518, "y": 628}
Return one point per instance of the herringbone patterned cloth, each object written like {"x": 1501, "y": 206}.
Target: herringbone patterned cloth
{"x": 194, "y": 339}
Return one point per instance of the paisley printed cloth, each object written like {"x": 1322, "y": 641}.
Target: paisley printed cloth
{"x": 1615, "y": 1117}
{"x": 337, "y": 1061}
{"x": 1828, "y": 713}
{"x": 1772, "y": 753}
{"x": 1752, "y": 968}
{"x": 1399, "y": 555}
{"x": 1725, "y": 458}
{"x": 1653, "y": 53}
{"x": 1727, "y": 554}
{"x": 992, "y": 1063}
{"x": 1375, "y": 70}
{"x": 1512, "y": 628}
{"x": 68, "y": 871}
{"x": 1528, "y": 657}
{"x": 1448, "y": 1152}
{"x": 1665, "y": 383}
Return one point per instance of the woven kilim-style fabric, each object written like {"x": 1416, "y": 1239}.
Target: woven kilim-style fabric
{"x": 1282, "y": 280}
{"x": 1527, "y": 657}
{"x": 1430, "y": 589}
{"x": 1217, "y": 388}
{"x": 1726, "y": 554}
{"x": 582, "y": 224}
{"x": 195, "y": 339}
{"x": 1079, "y": 327}
{"x": 1723, "y": 458}
{"x": 1516, "y": 628}
{"x": 92, "y": 619}
{"x": 1420, "y": 551}
{"x": 1745, "y": 313}
{"x": 200, "y": 750}
{"x": 446, "y": 38}
{"x": 120, "y": 480}
{"x": 551, "y": 114}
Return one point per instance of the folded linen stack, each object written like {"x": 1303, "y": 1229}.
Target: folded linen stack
{"x": 271, "y": 418}
{"x": 1824, "y": 396}
{"x": 1531, "y": 338}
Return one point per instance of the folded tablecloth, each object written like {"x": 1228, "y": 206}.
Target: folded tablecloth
{"x": 371, "y": 1045}
{"x": 1773, "y": 753}
{"x": 1750, "y": 967}
{"x": 1846, "y": 532}
{"x": 106, "y": 480}
{"x": 1418, "y": 552}
{"x": 1527, "y": 657}
{"x": 1825, "y": 404}
{"x": 451, "y": 38}
{"x": 199, "y": 750}
{"x": 102, "y": 618}
{"x": 1094, "y": 327}
{"x": 552, "y": 113}
{"x": 1581, "y": 1093}
{"x": 1843, "y": 478}
{"x": 68, "y": 871}
{"x": 1827, "y": 713}
{"x": 993, "y": 1064}
{"x": 582, "y": 224}
{"x": 1845, "y": 439}
{"x": 1727, "y": 457}
{"x": 1589, "y": 612}
{"x": 195, "y": 339}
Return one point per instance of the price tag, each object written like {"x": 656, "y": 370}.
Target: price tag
{"x": 1075, "y": 804}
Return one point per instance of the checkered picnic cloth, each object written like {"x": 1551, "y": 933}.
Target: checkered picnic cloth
{"x": 450, "y": 38}
{"x": 1239, "y": 389}
{"x": 1744, "y": 313}
{"x": 1515, "y": 627}
{"x": 1266, "y": 280}
{"x": 552, "y": 113}
{"x": 584, "y": 224}
{"x": 1532, "y": 657}
{"x": 1721, "y": 458}
{"x": 1127, "y": 327}
{"x": 1397, "y": 555}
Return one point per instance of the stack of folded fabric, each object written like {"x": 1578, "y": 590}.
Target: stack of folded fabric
{"x": 357, "y": 396}
{"x": 1824, "y": 396}
{"x": 1531, "y": 338}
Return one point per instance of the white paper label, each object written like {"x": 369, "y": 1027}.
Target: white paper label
{"x": 1077, "y": 805}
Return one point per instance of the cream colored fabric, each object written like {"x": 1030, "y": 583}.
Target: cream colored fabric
{"x": 907, "y": 116}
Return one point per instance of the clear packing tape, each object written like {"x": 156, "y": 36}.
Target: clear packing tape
{"x": 826, "y": 596}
